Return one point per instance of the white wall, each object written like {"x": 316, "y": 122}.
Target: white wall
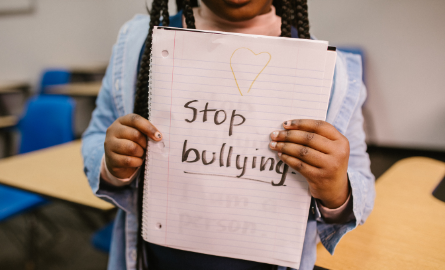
{"x": 61, "y": 33}
{"x": 404, "y": 42}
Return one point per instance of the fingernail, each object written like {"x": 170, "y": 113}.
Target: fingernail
{"x": 279, "y": 154}
{"x": 158, "y": 135}
{"x": 273, "y": 145}
{"x": 287, "y": 123}
{"x": 275, "y": 134}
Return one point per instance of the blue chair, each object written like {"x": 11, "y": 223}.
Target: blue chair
{"x": 102, "y": 238}
{"x": 48, "y": 121}
{"x": 14, "y": 201}
{"x": 52, "y": 77}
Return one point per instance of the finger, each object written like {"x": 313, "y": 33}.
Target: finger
{"x": 141, "y": 124}
{"x": 127, "y": 148}
{"x": 310, "y": 139}
{"x": 123, "y": 161}
{"x": 303, "y": 153}
{"x": 132, "y": 134}
{"x": 319, "y": 127}
{"x": 308, "y": 171}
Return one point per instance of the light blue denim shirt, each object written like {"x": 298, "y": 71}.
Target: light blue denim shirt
{"x": 116, "y": 99}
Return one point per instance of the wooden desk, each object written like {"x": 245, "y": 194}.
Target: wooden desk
{"x": 98, "y": 68}
{"x": 8, "y": 121}
{"x": 55, "y": 172}
{"x": 10, "y": 87}
{"x": 406, "y": 229}
{"x": 90, "y": 89}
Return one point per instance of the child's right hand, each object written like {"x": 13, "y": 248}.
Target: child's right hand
{"x": 125, "y": 144}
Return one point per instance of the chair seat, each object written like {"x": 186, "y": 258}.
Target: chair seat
{"x": 14, "y": 201}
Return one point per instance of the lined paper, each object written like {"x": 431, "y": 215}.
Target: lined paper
{"x": 216, "y": 97}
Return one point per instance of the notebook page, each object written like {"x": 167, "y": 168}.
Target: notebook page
{"x": 216, "y": 98}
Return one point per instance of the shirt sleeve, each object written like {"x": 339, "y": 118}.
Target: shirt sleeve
{"x": 360, "y": 179}
{"x": 342, "y": 214}
{"x": 106, "y": 175}
{"x": 93, "y": 140}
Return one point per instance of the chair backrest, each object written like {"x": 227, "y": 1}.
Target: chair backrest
{"x": 52, "y": 77}
{"x": 48, "y": 121}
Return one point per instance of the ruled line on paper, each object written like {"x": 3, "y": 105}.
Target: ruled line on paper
{"x": 231, "y": 214}
{"x": 253, "y": 88}
{"x": 266, "y": 133}
{"x": 224, "y": 207}
{"x": 229, "y": 94}
{"x": 243, "y": 215}
{"x": 221, "y": 200}
{"x": 297, "y": 116}
{"x": 240, "y": 188}
{"x": 256, "y": 229}
{"x": 261, "y": 224}
{"x": 255, "y": 103}
{"x": 279, "y": 67}
{"x": 225, "y": 78}
{"x": 283, "y": 106}
{"x": 216, "y": 137}
{"x": 229, "y": 176}
{"x": 238, "y": 194}
{"x": 241, "y": 241}
{"x": 241, "y": 110}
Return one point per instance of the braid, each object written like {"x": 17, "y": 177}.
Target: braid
{"x": 165, "y": 15}
{"x": 286, "y": 18}
{"x": 141, "y": 99}
{"x": 180, "y": 4}
{"x": 141, "y": 106}
{"x": 297, "y": 15}
{"x": 188, "y": 13}
{"x": 301, "y": 20}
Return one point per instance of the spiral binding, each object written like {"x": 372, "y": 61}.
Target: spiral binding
{"x": 146, "y": 187}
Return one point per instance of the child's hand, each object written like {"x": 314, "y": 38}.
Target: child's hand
{"x": 125, "y": 144}
{"x": 320, "y": 153}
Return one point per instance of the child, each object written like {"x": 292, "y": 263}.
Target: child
{"x": 331, "y": 155}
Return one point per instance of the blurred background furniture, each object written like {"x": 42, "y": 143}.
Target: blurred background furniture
{"x": 53, "y": 77}
{"x": 55, "y": 172}
{"x": 48, "y": 121}
{"x": 8, "y": 120}
{"x": 85, "y": 89}
{"x": 406, "y": 228}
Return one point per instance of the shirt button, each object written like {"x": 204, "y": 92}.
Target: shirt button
{"x": 133, "y": 254}
{"x": 116, "y": 85}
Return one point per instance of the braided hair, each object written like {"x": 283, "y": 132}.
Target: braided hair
{"x": 292, "y": 12}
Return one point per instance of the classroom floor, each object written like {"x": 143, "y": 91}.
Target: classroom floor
{"x": 64, "y": 230}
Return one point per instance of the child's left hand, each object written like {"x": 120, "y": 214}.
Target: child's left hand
{"x": 320, "y": 153}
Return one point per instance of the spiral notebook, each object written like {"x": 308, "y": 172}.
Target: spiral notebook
{"x": 212, "y": 185}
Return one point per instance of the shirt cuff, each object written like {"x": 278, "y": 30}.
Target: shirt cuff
{"x": 106, "y": 175}
{"x": 342, "y": 214}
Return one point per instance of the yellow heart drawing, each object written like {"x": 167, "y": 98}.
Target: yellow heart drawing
{"x": 233, "y": 72}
